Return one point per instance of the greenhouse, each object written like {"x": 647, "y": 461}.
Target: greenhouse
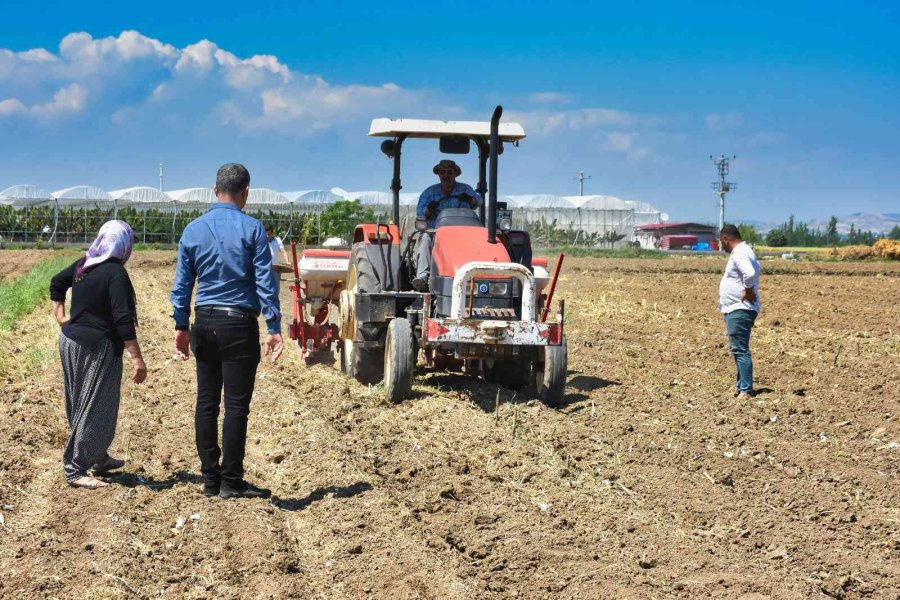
{"x": 30, "y": 215}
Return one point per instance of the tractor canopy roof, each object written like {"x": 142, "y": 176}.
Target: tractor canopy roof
{"x": 418, "y": 128}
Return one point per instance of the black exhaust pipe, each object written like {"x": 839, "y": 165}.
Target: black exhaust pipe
{"x": 492, "y": 177}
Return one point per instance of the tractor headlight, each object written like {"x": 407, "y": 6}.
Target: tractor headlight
{"x": 504, "y": 220}
{"x": 498, "y": 288}
{"x": 421, "y": 224}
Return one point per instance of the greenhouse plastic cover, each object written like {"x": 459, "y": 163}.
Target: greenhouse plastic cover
{"x": 24, "y": 195}
{"x": 202, "y": 195}
{"x": 313, "y": 197}
{"x": 30, "y": 195}
{"x": 80, "y": 195}
{"x": 266, "y": 196}
{"x": 140, "y": 195}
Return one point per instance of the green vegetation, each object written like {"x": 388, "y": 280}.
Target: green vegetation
{"x": 21, "y": 295}
{"x": 798, "y": 233}
{"x": 338, "y": 220}
{"x": 749, "y": 234}
{"x": 546, "y": 233}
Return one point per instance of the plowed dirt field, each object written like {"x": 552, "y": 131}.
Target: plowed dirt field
{"x": 651, "y": 481}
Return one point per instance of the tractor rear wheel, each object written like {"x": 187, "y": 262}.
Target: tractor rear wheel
{"x": 363, "y": 364}
{"x": 550, "y": 375}
{"x": 399, "y": 360}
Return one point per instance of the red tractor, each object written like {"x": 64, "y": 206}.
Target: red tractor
{"x": 485, "y": 310}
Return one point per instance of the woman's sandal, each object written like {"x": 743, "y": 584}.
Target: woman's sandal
{"x": 88, "y": 482}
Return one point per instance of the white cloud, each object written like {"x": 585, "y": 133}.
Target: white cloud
{"x": 608, "y": 129}
{"x": 625, "y": 144}
{"x": 721, "y": 121}
{"x": 550, "y": 98}
{"x": 621, "y": 142}
{"x": 132, "y": 78}
{"x": 68, "y": 99}
{"x": 11, "y": 106}
{"x": 543, "y": 121}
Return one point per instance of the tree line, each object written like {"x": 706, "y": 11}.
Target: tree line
{"x": 799, "y": 233}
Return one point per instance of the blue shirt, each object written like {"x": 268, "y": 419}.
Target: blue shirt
{"x": 228, "y": 254}
{"x": 434, "y": 194}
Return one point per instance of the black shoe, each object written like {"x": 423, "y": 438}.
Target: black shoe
{"x": 420, "y": 284}
{"x": 246, "y": 490}
{"x": 108, "y": 464}
{"x": 211, "y": 488}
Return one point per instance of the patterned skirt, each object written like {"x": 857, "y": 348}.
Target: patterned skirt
{"x": 93, "y": 378}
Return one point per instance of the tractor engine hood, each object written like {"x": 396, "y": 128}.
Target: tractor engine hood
{"x": 458, "y": 245}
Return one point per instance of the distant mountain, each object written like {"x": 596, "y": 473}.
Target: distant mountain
{"x": 879, "y": 223}
{"x": 761, "y": 226}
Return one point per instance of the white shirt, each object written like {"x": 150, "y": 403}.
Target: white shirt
{"x": 742, "y": 271}
{"x": 277, "y": 247}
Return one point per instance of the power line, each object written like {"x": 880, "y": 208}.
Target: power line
{"x": 722, "y": 186}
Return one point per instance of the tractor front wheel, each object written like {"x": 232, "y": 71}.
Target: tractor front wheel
{"x": 399, "y": 360}
{"x": 550, "y": 375}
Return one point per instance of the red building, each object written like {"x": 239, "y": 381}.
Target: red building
{"x": 675, "y": 236}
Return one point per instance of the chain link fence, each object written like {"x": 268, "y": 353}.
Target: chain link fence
{"x": 49, "y": 225}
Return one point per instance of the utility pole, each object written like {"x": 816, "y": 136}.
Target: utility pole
{"x": 580, "y": 177}
{"x": 721, "y": 186}
{"x": 160, "y": 177}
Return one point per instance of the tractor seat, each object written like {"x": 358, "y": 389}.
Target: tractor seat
{"x": 455, "y": 217}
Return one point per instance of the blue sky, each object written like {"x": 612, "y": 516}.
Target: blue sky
{"x": 637, "y": 95}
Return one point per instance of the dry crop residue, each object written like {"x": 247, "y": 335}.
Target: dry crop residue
{"x": 651, "y": 480}
{"x": 14, "y": 263}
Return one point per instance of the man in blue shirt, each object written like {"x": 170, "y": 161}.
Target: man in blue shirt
{"x": 227, "y": 253}
{"x": 447, "y": 194}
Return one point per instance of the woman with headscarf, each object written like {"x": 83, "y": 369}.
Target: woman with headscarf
{"x": 101, "y": 324}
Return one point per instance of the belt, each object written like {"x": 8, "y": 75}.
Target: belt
{"x": 230, "y": 311}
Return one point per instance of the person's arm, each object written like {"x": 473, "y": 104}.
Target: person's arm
{"x": 749, "y": 276}
{"x": 267, "y": 292}
{"x": 284, "y": 256}
{"x": 477, "y": 200}
{"x": 422, "y": 205}
{"x": 138, "y": 368}
{"x": 124, "y": 316}
{"x": 182, "y": 288}
{"x": 59, "y": 285}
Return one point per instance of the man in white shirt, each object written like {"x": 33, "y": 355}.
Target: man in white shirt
{"x": 739, "y": 302}
{"x": 279, "y": 256}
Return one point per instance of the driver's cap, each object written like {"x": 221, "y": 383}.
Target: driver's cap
{"x": 447, "y": 164}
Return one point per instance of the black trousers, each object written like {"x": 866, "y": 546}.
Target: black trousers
{"x": 226, "y": 348}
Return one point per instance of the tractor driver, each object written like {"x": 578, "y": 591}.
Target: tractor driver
{"x": 447, "y": 194}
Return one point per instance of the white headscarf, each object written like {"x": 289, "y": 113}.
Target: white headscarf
{"x": 115, "y": 240}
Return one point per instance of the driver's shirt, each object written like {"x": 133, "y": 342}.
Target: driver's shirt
{"x": 434, "y": 194}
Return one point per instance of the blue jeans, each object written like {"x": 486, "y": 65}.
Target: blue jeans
{"x": 738, "y": 324}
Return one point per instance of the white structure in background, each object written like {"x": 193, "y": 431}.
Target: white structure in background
{"x": 140, "y": 195}
{"x": 197, "y": 195}
{"x": 23, "y": 196}
{"x": 83, "y": 196}
{"x": 313, "y": 197}
{"x": 267, "y": 197}
{"x": 595, "y": 215}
